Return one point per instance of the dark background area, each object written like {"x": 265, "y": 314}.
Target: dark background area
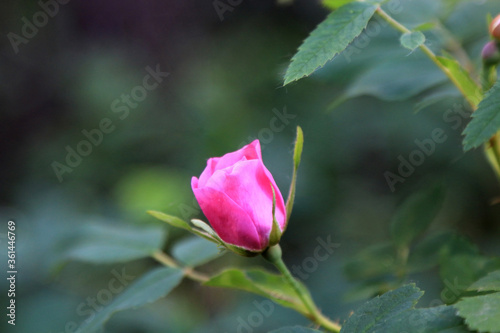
{"x": 223, "y": 89}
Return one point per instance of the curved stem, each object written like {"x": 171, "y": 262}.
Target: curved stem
{"x": 166, "y": 260}
{"x": 398, "y": 26}
{"x": 492, "y": 147}
{"x": 273, "y": 255}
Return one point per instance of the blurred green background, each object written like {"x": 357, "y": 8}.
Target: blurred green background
{"x": 224, "y": 89}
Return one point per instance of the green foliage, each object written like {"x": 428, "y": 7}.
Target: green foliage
{"x": 395, "y": 312}
{"x": 467, "y": 86}
{"x": 481, "y": 313}
{"x": 150, "y": 188}
{"x": 105, "y": 243}
{"x": 412, "y": 40}
{"x": 295, "y": 329}
{"x": 427, "y": 253}
{"x": 490, "y": 282}
{"x": 459, "y": 271}
{"x": 380, "y": 308}
{"x": 440, "y": 319}
{"x": 260, "y": 282}
{"x": 149, "y": 288}
{"x": 334, "y": 4}
{"x": 297, "y": 154}
{"x": 195, "y": 251}
{"x": 329, "y": 38}
{"x": 415, "y": 215}
{"x": 397, "y": 79}
{"x": 203, "y": 230}
{"x": 172, "y": 220}
{"x": 485, "y": 120}
{"x": 373, "y": 261}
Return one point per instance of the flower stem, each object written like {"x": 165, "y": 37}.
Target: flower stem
{"x": 273, "y": 255}
{"x": 398, "y": 26}
{"x": 492, "y": 147}
{"x": 168, "y": 261}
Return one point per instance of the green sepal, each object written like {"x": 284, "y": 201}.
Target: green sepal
{"x": 172, "y": 220}
{"x": 297, "y": 154}
{"x": 275, "y": 235}
{"x": 216, "y": 239}
{"x": 241, "y": 251}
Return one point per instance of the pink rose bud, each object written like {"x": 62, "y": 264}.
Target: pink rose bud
{"x": 235, "y": 194}
{"x": 495, "y": 27}
{"x": 490, "y": 53}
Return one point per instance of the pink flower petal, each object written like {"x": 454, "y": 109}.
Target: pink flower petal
{"x": 249, "y": 186}
{"x": 229, "y": 221}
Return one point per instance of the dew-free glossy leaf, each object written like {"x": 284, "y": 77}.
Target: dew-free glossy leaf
{"x": 380, "y": 308}
{"x": 490, "y": 282}
{"x": 149, "y": 288}
{"x": 485, "y": 120}
{"x": 440, "y": 319}
{"x": 329, "y": 38}
{"x": 259, "y": 282}
{"x": 481, "y": 313}
{"x": 108, "y": 243}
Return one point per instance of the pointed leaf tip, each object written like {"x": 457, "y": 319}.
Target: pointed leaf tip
{"x": 330, "y": 37}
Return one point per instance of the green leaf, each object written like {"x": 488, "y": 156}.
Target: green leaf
{"x": 262, "y": 283}
{"x": 334, "y": 4}
{"x": 485, "y": 120}
{"x": 195, "y": 251}
{"x": 458, "y": 272}
{"x": 426, "y": 253}
{"x": 481, "y": 313}
{"x": 149, "y": 288}
{"x": 381, "y": 308}
{"x": 490, "y": 282}
{"x": 412, "y": 40}
{"x": 172, "y": 220}
{"x": 295, "y": 329}
{"x": 427, "y": 320}
{"x": 373, "y": 261}
{"x": 397, "y": 79}
{"x": 467, "y": 86}
{"x": 370, "y": 289}
{"x": 425, "y": 26}
{"x": 105, "y": 243}
{"x": 415, "y": 215}
{"x": 329, "y": 38}
{"x": 297, "y": 154}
